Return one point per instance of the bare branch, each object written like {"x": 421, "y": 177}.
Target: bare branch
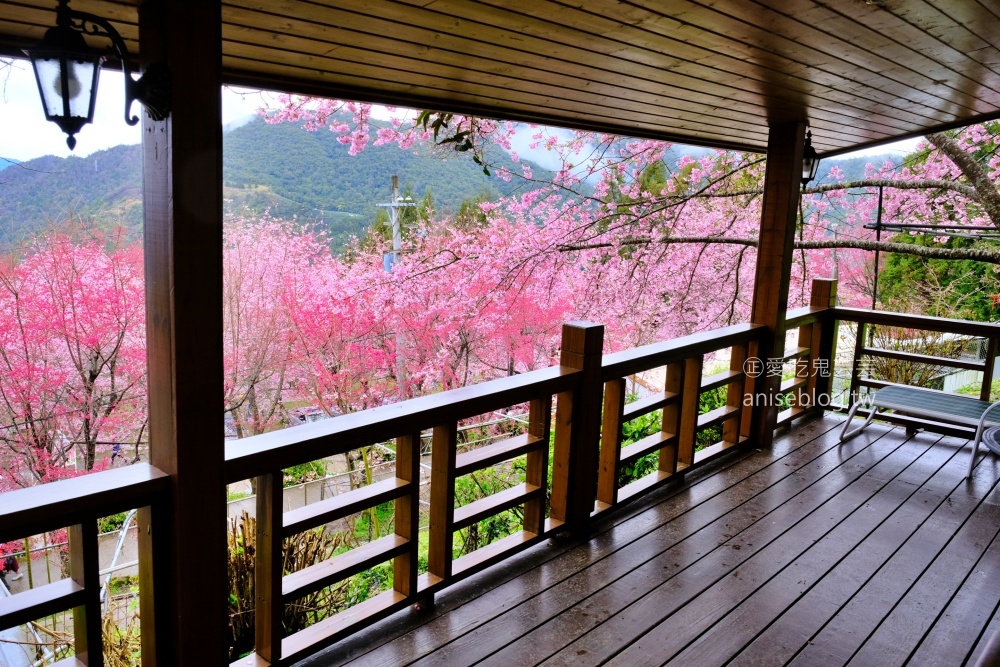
{"x": 976, "y": 254}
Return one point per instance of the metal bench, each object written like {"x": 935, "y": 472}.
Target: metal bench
{"x": 937, "y": 406}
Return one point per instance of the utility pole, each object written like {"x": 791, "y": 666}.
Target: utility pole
{"x": 390, "y": 258}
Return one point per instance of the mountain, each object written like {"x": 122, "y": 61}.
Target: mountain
{"x": 854, "y": 168}
{"x": 281, "y": 168}
{"x": 7, "y": 162}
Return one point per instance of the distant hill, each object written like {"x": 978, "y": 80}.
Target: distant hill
{"x": 283, "y": 168}
{"x": 7, "y": 162}
{"x": 854, "y": 167}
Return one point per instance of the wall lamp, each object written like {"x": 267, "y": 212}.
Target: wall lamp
{"x": 66, "y": 70}
{"x": 810, "y": 160}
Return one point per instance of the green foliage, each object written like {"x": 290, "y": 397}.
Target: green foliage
{"x": 938, "y": 287}
{"x": 708, "y": 401}
{"x": 304, "y": 472}
{"x": 632, "y": 432}
{"x": 973, "y": 390}
{"x": 293, "y": 173}
{"x": 111, "y": 523}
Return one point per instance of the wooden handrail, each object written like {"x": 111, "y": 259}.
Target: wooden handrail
{"x": 259, "y": 454}
{"x": 639, "y": 359}
{"x": 77, "y": 504}
{"x": 38, "y": 509}
{"x": 921, "y": 322}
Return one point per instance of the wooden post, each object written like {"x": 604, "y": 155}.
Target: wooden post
{"x": 989, "y": 363}
{"x": 578, "y": 428}
{"x": 268, "y": 567}
{"x": 182, "y": 209}
{"x": 611, "y": 442}
{"x": 734, "y": 396}
{"x": 671, "y": 416}
{"x": 782, "y": 182}
{"x": 824, "y": 295}
{"x": 688, "y": 431}
{"x": 84, "y": 566}
{"x": 536, "y": 466}
{"x": 442, "y": 519}
{"x": 407, "y": 521}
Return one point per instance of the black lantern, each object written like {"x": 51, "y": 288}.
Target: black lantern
{"x": 810, "y": 160}
{"x": 67, "y": 69}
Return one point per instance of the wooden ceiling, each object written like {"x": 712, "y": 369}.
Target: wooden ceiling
{"x": 709, "y": 72}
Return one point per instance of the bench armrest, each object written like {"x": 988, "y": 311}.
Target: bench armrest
{"x": 982, "y": 420}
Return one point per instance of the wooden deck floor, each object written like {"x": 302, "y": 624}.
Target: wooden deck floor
{"x": 874, "y": 552}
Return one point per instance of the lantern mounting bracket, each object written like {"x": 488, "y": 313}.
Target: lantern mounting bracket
{"x": 151, "y": 90}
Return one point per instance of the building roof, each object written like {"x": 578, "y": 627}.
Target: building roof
{"x": 711, "y": 72}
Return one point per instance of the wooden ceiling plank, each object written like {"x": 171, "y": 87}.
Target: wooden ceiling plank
{"x": 341, "y": 57}
{"x": 526, "y": 46}
{"x": 662, "y": 107}
{"x": 386, "y": 90}
{"x": 916, "y": 54}
{"x": 380, "y": 73}
{"x": 971, "y": 17}
{"x": 697, "y": 61}
{"x": 653, "y": 80}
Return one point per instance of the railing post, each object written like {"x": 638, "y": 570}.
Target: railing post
{"x": 578, "y": 428}
{"x": 84, "y": 564}
{"x": 442, "y": 518}
{"x": 268, "y": 567}
{"x": 407, "y": 521}
{"x": 824, "y": 342}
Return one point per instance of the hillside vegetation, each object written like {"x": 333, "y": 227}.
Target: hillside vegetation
{"x": 281, "y": 168}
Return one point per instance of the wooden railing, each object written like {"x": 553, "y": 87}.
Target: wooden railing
{"x": 78, "y": 503}
{"x": 263, "y": 457}
{"x": 864, "y": 348}
{"x": 683, "y": 360}
{"x": 564, "y": 401}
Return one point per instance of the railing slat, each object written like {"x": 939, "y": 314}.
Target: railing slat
{"x": 40, "y": 602}
{"x": 537, "y": 464}
{"x": 407, "y": 514}
{"x": 268, "y": 567}
{"x": 611, "y": 440}
{"x": 84, "y": 565}
{"x": 325, "y": 573}
{"x": 722, "y": 379}
{"x": 442, "y": 508}
{"x": 483, "y": 457}
{"x": 647, "y": 445}
{"x": 485, "y": 556}
{"x": 343, "y": 504}
{"x": 964, "y": 364}
{"x": 670, "y": 418}
{"x": 486, "y": 507}
{"x": 648, "y": 404}
{"x": 322, "y": 634}
{"x": 717, "y": 416}
{"x": 689, "y": 411}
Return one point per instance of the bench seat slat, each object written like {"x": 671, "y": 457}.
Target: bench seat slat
{"x": 934, "y": 404}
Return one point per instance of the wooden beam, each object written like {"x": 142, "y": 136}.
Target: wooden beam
{"x": 782, "y": 182}
{"x": 578, "y": 428}
{"x": 182, "y": 209}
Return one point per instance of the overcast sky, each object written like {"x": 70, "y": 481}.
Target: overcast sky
{"x": 25, "y": 133}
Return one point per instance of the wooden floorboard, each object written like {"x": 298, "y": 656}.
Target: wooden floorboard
{"x": 876, "y": 551}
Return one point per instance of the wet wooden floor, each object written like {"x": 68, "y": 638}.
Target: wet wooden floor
{"x": 874, "y": 552}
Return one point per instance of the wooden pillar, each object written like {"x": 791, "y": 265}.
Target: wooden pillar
{"x": 824, "y": 295}
{"x": 182, "y": 208}
{"x": 578, "y": 428}
{"x": 782, "y": 181}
